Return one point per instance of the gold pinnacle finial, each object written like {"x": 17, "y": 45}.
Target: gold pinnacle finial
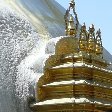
{"x": 72, "y": 3}
{"x": 83, "y": 28}
{"x": 67, "y": 19}
{"x": 91, "y": 28}
{"x": 83, "y": 38}
{"x": 99, "y": 31}
{"x": 99, "y": 47}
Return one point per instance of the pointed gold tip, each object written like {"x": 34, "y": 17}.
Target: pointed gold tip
{"x": 83, "y": 28}
{"x": 72, "y": 3}
{"x": 91, "y": 26}
{"x": 71, "y": 27}
{"x": 84, "y": 25}
{"x": 99, "y": 30}
{"x": 71, "y": 18}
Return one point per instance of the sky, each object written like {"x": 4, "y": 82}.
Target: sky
{"x": 97, "y": 12}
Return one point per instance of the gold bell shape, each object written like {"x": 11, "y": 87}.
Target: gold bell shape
{"x": 71, "y": 26}
{"x": 98, "y": 49}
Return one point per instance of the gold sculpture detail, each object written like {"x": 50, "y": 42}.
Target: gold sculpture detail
{"x": 99, "y": 47}
{"x": 76, "y": 77}
{"x": 91, "y": 39}
{"x": 88, "y": 40}
{"x": 71, "y": 27}
{"x": 70, "y": 31}
{"x": 83, "y": 38}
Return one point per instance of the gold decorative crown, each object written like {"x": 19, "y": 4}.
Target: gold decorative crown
{"x": 70, "y": 30}
{"x": 89, "y": 41}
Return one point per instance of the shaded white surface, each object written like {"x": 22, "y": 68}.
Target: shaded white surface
{"x": 22, "y": 49}
{"x": 63, "y": 100}
{"x": 73, "y": 100}
{"x": 80, "y": 64}
{"x": 81, "y": 81}
{"x": 46, "y": 16}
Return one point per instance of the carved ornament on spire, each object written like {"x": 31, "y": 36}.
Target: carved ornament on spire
{"x": 89, "y": 41}
{"x": 67, "y": 19}
{"x": 83, "y": 38}
{"x": 99, "y": 47}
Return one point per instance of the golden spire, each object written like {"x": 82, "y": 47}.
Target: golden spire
{"x": 83, "y": 38}
{"x": 91, "y": 39}
{"x": 71, "y": 26}
{"x": 99, "y": 47}
{"x": 72, "y": 3}
{"x": 67, "y": 21}
{"x": 83, "y": 28}
{"x": 91, "y": 29}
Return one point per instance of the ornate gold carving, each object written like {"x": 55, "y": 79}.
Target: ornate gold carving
{"x": 91, "y": 39}
{"x": 99, "y": 47}
{"x": 70, "y": 27}
{"x": 91, "y": 43}
{"x": 74, "y": 69}
{"x": 83, "y": 38}
{"x": 87, "y": 41}
{"x": 67, "y": 45}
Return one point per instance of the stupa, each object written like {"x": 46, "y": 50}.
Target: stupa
{"x": 76, "y": 78}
